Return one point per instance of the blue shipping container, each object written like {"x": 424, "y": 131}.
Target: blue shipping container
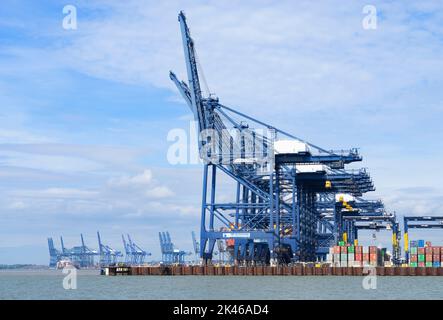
{"x": 421, "y": 243}
{"x": 436, "y": 264}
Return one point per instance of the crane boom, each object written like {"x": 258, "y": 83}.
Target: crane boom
{"x": 193, "y": 79}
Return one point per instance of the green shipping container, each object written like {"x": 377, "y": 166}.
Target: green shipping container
{"x": 413, "y": 264}
{"x": 421, "y": 258}
{"x": 351, "y": 249}
{"x": 341, "y": 243}
{"x": 428, "y": 264}
{"x": 414, "y": 250}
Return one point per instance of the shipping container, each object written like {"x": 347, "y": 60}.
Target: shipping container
{"x": 428, "y": 264}
{"x": 421, "y": 264}
{"x": 428, "y": 258}
{"x": 436, "y": 264}
{"x": 421, "y": 243}
{"x": 343, "y": 249}
{"x": 421, "y": 258}
{"x": 436, "y": 250}
{"x": 373, "y": 257}
{"x": 413, "y": 250}
{"x": 413, "y": 258}
{"x": 421, "y": 250}
{"x": 358, "y": 257}
{"x": 351, "y": 249}
{"x": 413, "y": 264}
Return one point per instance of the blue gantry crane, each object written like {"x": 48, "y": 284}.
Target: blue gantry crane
{"x": 108, "y": 255}
{"x": 135, "y": 255}
{"x": 281, "y": 181}
{"x": 419, "y": 222}
{"x": 170, "y": 254}
{"x": 81, "y": 256}
{"x": 196, "y": 246}
{"x": 54, "y": 255}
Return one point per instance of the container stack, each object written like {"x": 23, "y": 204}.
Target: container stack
{"x": 347, "y": 255}
{"x": 423, "y": 254}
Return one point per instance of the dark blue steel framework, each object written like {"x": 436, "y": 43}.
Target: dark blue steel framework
{"x": 170, "y": 254}
{"x": 279, "y": 213}
{"x": 419, "y": 222}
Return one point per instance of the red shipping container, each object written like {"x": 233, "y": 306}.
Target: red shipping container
{"x": 413, "y": 258}
{"x": 428, "y": 250}
{"x": 421, "y": 264}
{"x": 428, "y": 244}
{"x": 365, "y": 256}
{"x": 372, "y": 257}
{"x": 428, "y": 258}
{"x": 436, "y": 257}
{"x": 336, "y": 249}
{"x": 421, "y": 250}
{"x": 358, "y": 249}
{"x": 358, "y": 257}
{"x": 436, "y": 250}
{"x": 372, "y": 249}
{"x": 343, "y": 249}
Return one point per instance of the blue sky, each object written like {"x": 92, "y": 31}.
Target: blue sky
{"x": 85, "y": 113}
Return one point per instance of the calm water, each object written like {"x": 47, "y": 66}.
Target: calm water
{"x": 90, "y": 285}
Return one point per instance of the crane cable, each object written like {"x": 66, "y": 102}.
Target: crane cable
{"x": 201, "y": 73}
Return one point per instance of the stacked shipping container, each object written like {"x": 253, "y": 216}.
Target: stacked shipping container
{"x": 357, "y": 256}
{"x": 423, "y": 254}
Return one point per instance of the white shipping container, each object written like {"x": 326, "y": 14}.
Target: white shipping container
{"x": 365, "y": 249}
{"x": 346, "y": 197}
{"x": 310, "y": 168}
{"x": 290, "y": 146}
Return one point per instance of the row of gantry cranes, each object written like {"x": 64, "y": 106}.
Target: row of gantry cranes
{"x": 291, "y": 200}
{"x": 84, "y": 257}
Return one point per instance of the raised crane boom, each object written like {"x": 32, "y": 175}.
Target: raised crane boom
{"x": 278, "y": 180}
{"x": 193, "y": 79}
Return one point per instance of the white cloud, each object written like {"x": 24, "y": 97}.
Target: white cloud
{"x": 280, "y": 55}
{"x": 144, "y": 178}
{"x": 159, "y": 192}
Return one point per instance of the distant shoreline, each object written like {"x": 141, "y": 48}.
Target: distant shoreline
{"x": 23, "y": 267}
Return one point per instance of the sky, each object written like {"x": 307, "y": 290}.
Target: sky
{"x": 85, "y": 113}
